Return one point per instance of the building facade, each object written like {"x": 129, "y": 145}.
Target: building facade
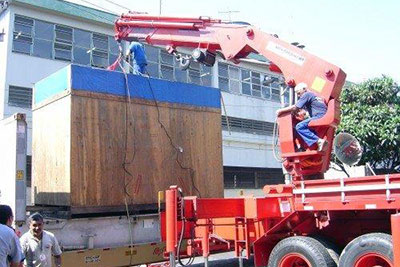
{"x": 39, "y": 37}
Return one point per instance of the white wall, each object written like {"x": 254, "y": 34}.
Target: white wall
{"x": 24, "y": 70}
{"x": 4, "y": 25}
{"x": 239, "y": 149}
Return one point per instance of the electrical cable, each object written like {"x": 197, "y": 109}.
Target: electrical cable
{"x": 128, "y": 113}
{"x": 191, "y": 259}
{"x": 177, "y": 149}
{"x": 102, "y": 8}
{"x": 118, "y": 5}
{"x": 76, "y": 6}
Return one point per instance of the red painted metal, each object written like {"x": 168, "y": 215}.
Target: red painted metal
{"x": 237, "y": 41}
{"x": 395, "y": 225}
{"x": 341, "y": 209}
{"x": 294, "y": 260}
{"x": 373, "y": 260}
{"x": 171, "y": 219}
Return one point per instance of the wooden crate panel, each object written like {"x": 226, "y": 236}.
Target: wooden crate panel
{"x": 119, "y": 151}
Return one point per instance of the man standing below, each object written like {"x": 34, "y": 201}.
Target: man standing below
{"x": 10, "y": 251}
{"x": 39, "y": 245}
{"x": 316, "y": 107}
{"x": 136, "y": 50}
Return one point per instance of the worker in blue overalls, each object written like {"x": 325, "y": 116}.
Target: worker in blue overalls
{"x": 136, "y": 50}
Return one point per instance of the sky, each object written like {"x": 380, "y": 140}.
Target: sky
{"x": 360, "y": 36}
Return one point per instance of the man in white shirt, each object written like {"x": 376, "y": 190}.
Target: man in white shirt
{"x": 39, "y": 245}
{"x": 10, "y": 251}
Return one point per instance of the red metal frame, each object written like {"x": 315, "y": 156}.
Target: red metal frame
{"x": 341, "y": 211}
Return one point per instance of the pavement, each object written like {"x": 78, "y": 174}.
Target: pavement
{"x": 220, "y": 260}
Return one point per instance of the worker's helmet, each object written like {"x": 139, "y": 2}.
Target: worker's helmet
{"x": 300, "y": 87}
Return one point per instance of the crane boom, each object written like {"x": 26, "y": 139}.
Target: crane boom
{"x": 236, "y": 41}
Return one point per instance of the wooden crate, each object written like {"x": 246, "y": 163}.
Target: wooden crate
{"x": 85, "y": 130}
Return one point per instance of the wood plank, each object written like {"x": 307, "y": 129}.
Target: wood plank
{"x": 167, "y": 144}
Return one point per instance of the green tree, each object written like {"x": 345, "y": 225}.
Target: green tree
{"x": 371, "y": 112}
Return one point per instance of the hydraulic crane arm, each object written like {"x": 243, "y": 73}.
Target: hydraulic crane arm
{"x": 235, "y": 41}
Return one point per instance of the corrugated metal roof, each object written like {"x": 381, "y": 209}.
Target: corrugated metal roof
{"x": 70, "y": 9}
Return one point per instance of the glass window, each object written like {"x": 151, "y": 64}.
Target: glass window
{"x": 43, "y": 48}
{"x": 82, "y": 38}
{"x": 114, "y": 47}
{"x": 256, "y": 90}
{"x": 194, "y": 77}
{"x": 223, "y": 70}
{"x": 22, "y": 44}
{"x": 100, "y": 41}
{"x": 166, "y": 58}
{"x": 62, "y": 51}
{"x": 167, "y": 72}
{"x": 246, "y": 89}
{"x": 44, "y": 30}
{"x": 20, "y": 96}
{"x": 234, "y": 86}
{"x": 223, "y": 84}
{"x": 181, "y": 75}
{"x": 22, "y": 37}
{"x": 63, "y": 34}
{"x": 266, "y": 92}
{"x": 245, "y": 75}
{"x": 152, "y": 53}
{"x": 255, "y": 78}
{"x": 81, "y": 55}
{"x": 233, "y": 73}
{"x": 152, "y": 69}
{"x": 99, "y": 59}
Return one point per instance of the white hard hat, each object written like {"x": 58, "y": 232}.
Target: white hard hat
{"x": 300, "y": 86}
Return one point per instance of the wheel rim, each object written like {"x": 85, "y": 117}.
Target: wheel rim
{"x": 294, "y": 260}
{"x": 373, "y": 260}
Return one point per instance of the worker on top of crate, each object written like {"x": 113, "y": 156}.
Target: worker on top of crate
{"x": 39, "y": 245}
{"x": 139, "y": 60}
{"x": 316, "y": 108}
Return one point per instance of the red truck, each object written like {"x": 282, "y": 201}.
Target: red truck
{"x": 350, "y": 222}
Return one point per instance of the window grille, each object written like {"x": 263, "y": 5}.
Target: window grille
{"x": 20, "y": 96}
{"x": 248, "y": 126}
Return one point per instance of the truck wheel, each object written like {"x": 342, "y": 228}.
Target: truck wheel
{"x": 370, "y": 250}
{"x": 300, "y": 251}
{"x": 332, "y": 248}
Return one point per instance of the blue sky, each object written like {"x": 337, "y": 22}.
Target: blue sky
{"x": 360, "y": 36}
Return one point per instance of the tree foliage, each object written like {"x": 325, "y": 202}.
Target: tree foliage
{"x": 371, "y": 112}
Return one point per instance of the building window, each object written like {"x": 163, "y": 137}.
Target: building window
{"x": 43, "y": 39}
{"x": 247, "y": 126}
{"x": 22, "y": 36}
{"x": 100, "y": 50}
{"x": 161, "y": 64}
{"x": 82, "y": 44}
{"x": 238, "y": 80}
{"x": 20, "y": 96}
{"x": 251, "y": 178}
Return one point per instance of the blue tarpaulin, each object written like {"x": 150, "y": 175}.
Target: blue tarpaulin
{"x": 81, "y": 78}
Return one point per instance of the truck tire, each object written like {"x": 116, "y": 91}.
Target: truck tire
{"x": 332, "y": 248}
{"x": 375, "y": 249}
{"x": 300, "y": 251}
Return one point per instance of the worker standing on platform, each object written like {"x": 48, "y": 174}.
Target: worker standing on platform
{"x": 316, "y": 108}
{"x": 39, "y": 245}
{"x": 136, "y": 50}
{"x": 10, "y": 250}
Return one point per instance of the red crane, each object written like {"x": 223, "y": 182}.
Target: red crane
{"x": 306, "y": 223}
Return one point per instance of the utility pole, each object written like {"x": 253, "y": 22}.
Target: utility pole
{"x": 229, "y": 12}
{"x": 160, "y": 6}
